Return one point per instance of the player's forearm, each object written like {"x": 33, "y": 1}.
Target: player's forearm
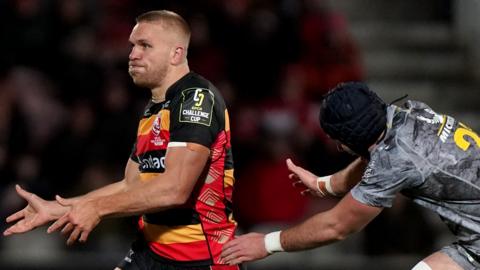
{"x": 347, "y": 217}
{"x": 104, "y": 191}
{"x": 346, "y": 179}
{"x": 140, "y": 197}
{"x": 131, "y": 176}
{"x": 317, "y": 231}
{"x": 169, "y": 189}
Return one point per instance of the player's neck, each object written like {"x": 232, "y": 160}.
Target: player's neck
{"x": 175, "y": 74}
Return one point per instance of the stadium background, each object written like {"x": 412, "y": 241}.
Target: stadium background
{"x": 68, "y": 109}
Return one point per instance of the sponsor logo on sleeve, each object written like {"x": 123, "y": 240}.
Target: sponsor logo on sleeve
{"x": 197, "y": 106}
{"x": 446, "y": 129}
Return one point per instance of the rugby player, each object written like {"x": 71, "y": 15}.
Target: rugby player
{"x": 179, "y": 176}
{"x": 430, "y": 158}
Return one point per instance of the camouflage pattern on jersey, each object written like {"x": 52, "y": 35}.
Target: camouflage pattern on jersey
{"x": 432, "y": 159}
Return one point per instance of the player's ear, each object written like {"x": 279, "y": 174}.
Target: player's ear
{"x": 179, "y": 55}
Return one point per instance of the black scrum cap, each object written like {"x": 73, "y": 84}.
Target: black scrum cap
{"x": 354, "y": 115}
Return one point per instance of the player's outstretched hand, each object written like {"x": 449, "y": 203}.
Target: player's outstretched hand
{"x": 303, "y": 178}
{"x": 244, "y": 248}
{"x": 37, "y": 213}
{"x": 79, "y": 221}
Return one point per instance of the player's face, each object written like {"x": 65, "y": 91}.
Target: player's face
{"x": 149, "y": 58}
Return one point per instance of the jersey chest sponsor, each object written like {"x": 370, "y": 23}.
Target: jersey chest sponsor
{"x": 153, "y": 161}
{"x": 155, "y": 141}
{"x": 150, "y": 162}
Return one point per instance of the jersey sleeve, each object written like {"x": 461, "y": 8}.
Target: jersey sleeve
{"x": 194, "y": 118}
{"x": 133, "y": 155}
{"x": 385, "y": 176}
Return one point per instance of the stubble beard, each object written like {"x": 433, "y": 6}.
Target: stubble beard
{"x": 149, "y": 79}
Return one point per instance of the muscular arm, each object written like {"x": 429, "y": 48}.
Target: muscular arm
{"x": 183, "y": 166}
{"x": 347, "y": 217}
{"x": 169, "y": 189}
{"x": 131, "y": 174}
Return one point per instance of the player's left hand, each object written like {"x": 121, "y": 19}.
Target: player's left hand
{"x": 303, "y": 179}
{"x": 244, "y": 248}
{"x": 82, "y": 218}
{"x": 37, "y": 213}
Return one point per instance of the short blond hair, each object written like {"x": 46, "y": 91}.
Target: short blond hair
{"x": 168, "y": 19}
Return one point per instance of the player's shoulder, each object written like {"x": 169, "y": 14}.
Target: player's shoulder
{"x": 196, "y": 80}
{"x": 197, "y": 100}
{"x": 190, "y": 86}
{"x": 415, "y": 107}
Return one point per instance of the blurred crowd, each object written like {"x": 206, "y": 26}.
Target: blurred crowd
{"x": 68, "y": 109}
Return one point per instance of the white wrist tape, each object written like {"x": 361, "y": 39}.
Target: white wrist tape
{"x": 324, "y": 186}
{"x": 272, "y": 242}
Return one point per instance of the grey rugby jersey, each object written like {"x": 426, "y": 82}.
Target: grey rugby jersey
{"x": 432, "y": 159}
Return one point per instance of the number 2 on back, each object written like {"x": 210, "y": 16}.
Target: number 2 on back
{"x": 459, "y": 137}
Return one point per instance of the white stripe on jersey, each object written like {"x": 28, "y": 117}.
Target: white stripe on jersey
{"x": 177, "y": 144}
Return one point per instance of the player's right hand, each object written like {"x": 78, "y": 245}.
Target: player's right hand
{"x": 37, "y": 213}
{"x": 244, "y": 248}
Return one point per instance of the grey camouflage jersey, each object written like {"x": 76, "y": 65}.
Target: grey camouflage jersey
{"x": 432, "y": 159}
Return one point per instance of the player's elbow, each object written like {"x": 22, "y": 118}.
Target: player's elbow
{"x": 337, "y": 235}
{"x": 168, "y": 195}
{"x": 178, "y": 196}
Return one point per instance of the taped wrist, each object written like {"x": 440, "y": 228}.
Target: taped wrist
{"x": 324, "y": 186}
{"x": 273, "y": 243}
